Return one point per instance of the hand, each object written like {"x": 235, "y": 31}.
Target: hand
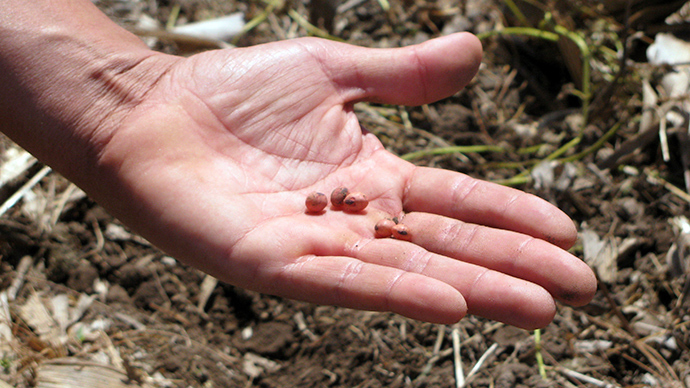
{"x": 213, "y": 165}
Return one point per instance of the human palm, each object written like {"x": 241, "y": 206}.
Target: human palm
{"x": 215, "y": 163}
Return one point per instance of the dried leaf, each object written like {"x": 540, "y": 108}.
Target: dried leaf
{"x": 254, "y": 365}
{"x": 601, "y": 254}
{"x": 15, "y": 161}
{"x": 223, "y": 28}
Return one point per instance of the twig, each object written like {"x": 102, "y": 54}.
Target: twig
{"x": 457, "y": 361}
{"x": 379, "y": 116}
{"x": 625, "y": 324}
{"x": 11, "y": 201}
{"x": 645, "y": 136}
{"x": 64, "y": 198}
{"x": 663, "y": 369}
{"x": 205, "y": 290}
{"x": 22, "y": 268}
{"x": 663, "y": 138}
{"x": 655, "y": 179}
{"x": 98, "y": 233}
{"x": 436, "y": 355}
{"x": 488, "y": 353}
{"x": 584, "y": 378}
{"x": 441, "y": 329}
{"x": 5, "y": 318}
{"x": 346, "y": 6}
{"x": 303, "y": 328}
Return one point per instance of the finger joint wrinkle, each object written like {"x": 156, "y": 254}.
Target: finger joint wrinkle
{"x": 461, "y": 190}
{"x": 347, "y": 276}
{"x": 520, "y": 252}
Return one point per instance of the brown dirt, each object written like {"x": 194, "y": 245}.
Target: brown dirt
{"x": 146, "y": 317}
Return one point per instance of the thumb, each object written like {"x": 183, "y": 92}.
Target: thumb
{"x": 413, "y": 75}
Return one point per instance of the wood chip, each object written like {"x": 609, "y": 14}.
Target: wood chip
{"x": 72, "y": 372}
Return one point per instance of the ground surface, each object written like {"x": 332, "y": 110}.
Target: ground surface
{"x": 80, "y": 288}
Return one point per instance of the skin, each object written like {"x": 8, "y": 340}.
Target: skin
{"x": 211, "y": 157}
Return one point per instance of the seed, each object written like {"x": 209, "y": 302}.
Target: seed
{"x": 384, "y": 228}
{"x": 401, "y": 232}
{"x": 338, "y": 196}
{"x": 316, "y": 202}
{"x": 355, "y": 202}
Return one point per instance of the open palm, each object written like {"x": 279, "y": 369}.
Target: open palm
{"x": 215, "y": 163}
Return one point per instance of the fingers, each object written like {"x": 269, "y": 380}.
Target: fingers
{"x": 413, "y": 75}
{"x": 458, "y": 196}
{"x": 449, "y": 269}
{"x": 563, "y": 275}
{"x": 310, "y": 258}
{"x": 351, "y": 283}
{"x": 488, "y": 293}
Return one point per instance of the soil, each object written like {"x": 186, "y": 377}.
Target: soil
{"x": 162, "y": 324}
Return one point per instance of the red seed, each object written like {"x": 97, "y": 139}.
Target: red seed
{"x": 338, "y": 196}
{"x": 316, "y": 202}
{"x": 355, "y": 202}
{"x": 401, "y": 232}
{"x": 384, "y": 228}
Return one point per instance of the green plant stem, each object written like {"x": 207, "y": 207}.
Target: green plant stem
{"x": 514, "y": 181}
{"x": 527, "y": 31}
{"x": 564, "y": 148}
{"x": 556, "y": 154}
{"x": 516, "y": 11}
{"x": 598, "y": 144}
{"x": 524, "y": 177}
{"x": 172, "y": 17}
{"x": 540, "y": 358}
{"x": 529, "y": 150}
{"x": 311, "y": 29}
{"x": 258, "y": 19}
{"x": 384, "y": 5}
{"x": 585, "y": 94}
{"x": 452, "y": 150}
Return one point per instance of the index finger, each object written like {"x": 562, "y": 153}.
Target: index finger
{"x": 459, "y": 196}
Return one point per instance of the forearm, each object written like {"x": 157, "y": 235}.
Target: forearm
{"x": 67, "y": 75}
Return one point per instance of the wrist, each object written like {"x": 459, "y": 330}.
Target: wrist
{"x": 68, "y": 76}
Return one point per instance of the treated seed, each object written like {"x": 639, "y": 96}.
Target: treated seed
{"x": 401, "y": 232}
{"x": 355, "y": 202}
{"x": 384, "y": 228}
{"x": 316, "y": 202}
{"x": 338, "y": 196}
